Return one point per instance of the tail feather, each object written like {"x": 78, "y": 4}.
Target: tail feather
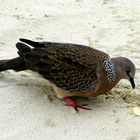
{"x": 22, "y": 48}
{"x": 32, "y": 43}
{"x": 16, "y": 64}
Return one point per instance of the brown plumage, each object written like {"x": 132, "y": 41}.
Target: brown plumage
{"x": 73, "y": 70}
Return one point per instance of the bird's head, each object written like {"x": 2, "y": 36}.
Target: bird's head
{"x": 125, "y": 68}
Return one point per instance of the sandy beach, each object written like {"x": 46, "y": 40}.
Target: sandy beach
{"x": 29, "y": 109}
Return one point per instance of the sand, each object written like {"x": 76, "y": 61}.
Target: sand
{"x": 29, "y": 109}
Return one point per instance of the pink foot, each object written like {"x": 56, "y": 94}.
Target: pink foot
{"x": 75, "y": 105}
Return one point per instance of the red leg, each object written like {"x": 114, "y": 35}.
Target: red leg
{"x": 74, "y": 104}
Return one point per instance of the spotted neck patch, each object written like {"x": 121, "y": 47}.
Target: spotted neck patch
{"x": 110, "y": 70}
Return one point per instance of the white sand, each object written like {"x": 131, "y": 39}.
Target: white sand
{"x": 28, "y": 108}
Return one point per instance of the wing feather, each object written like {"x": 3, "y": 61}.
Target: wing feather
{"x": 70, "y": 67}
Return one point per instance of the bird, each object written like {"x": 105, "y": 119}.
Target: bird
{"x": 73, "y": 70}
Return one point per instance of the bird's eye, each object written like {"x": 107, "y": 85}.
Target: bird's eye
{"x": 127, "y": 70}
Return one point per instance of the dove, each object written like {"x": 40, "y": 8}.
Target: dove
{"x": 73, "y": 70}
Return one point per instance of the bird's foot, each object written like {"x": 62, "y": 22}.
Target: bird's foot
{"x": 75, "y": 105}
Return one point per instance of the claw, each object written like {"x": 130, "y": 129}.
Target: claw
{"x": 75, "y": 105}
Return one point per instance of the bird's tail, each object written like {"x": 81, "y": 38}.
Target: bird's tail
{"x": 16, "y": 64}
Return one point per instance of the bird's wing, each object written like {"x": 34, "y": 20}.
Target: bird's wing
{"x": 70, "y": 67}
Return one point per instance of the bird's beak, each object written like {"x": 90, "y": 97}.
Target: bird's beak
{"x": 132, "y": 82}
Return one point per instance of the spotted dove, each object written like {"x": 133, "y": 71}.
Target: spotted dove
{"x": 73, "y": 70}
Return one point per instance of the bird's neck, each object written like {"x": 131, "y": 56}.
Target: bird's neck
{"x": 118, "y": 69}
